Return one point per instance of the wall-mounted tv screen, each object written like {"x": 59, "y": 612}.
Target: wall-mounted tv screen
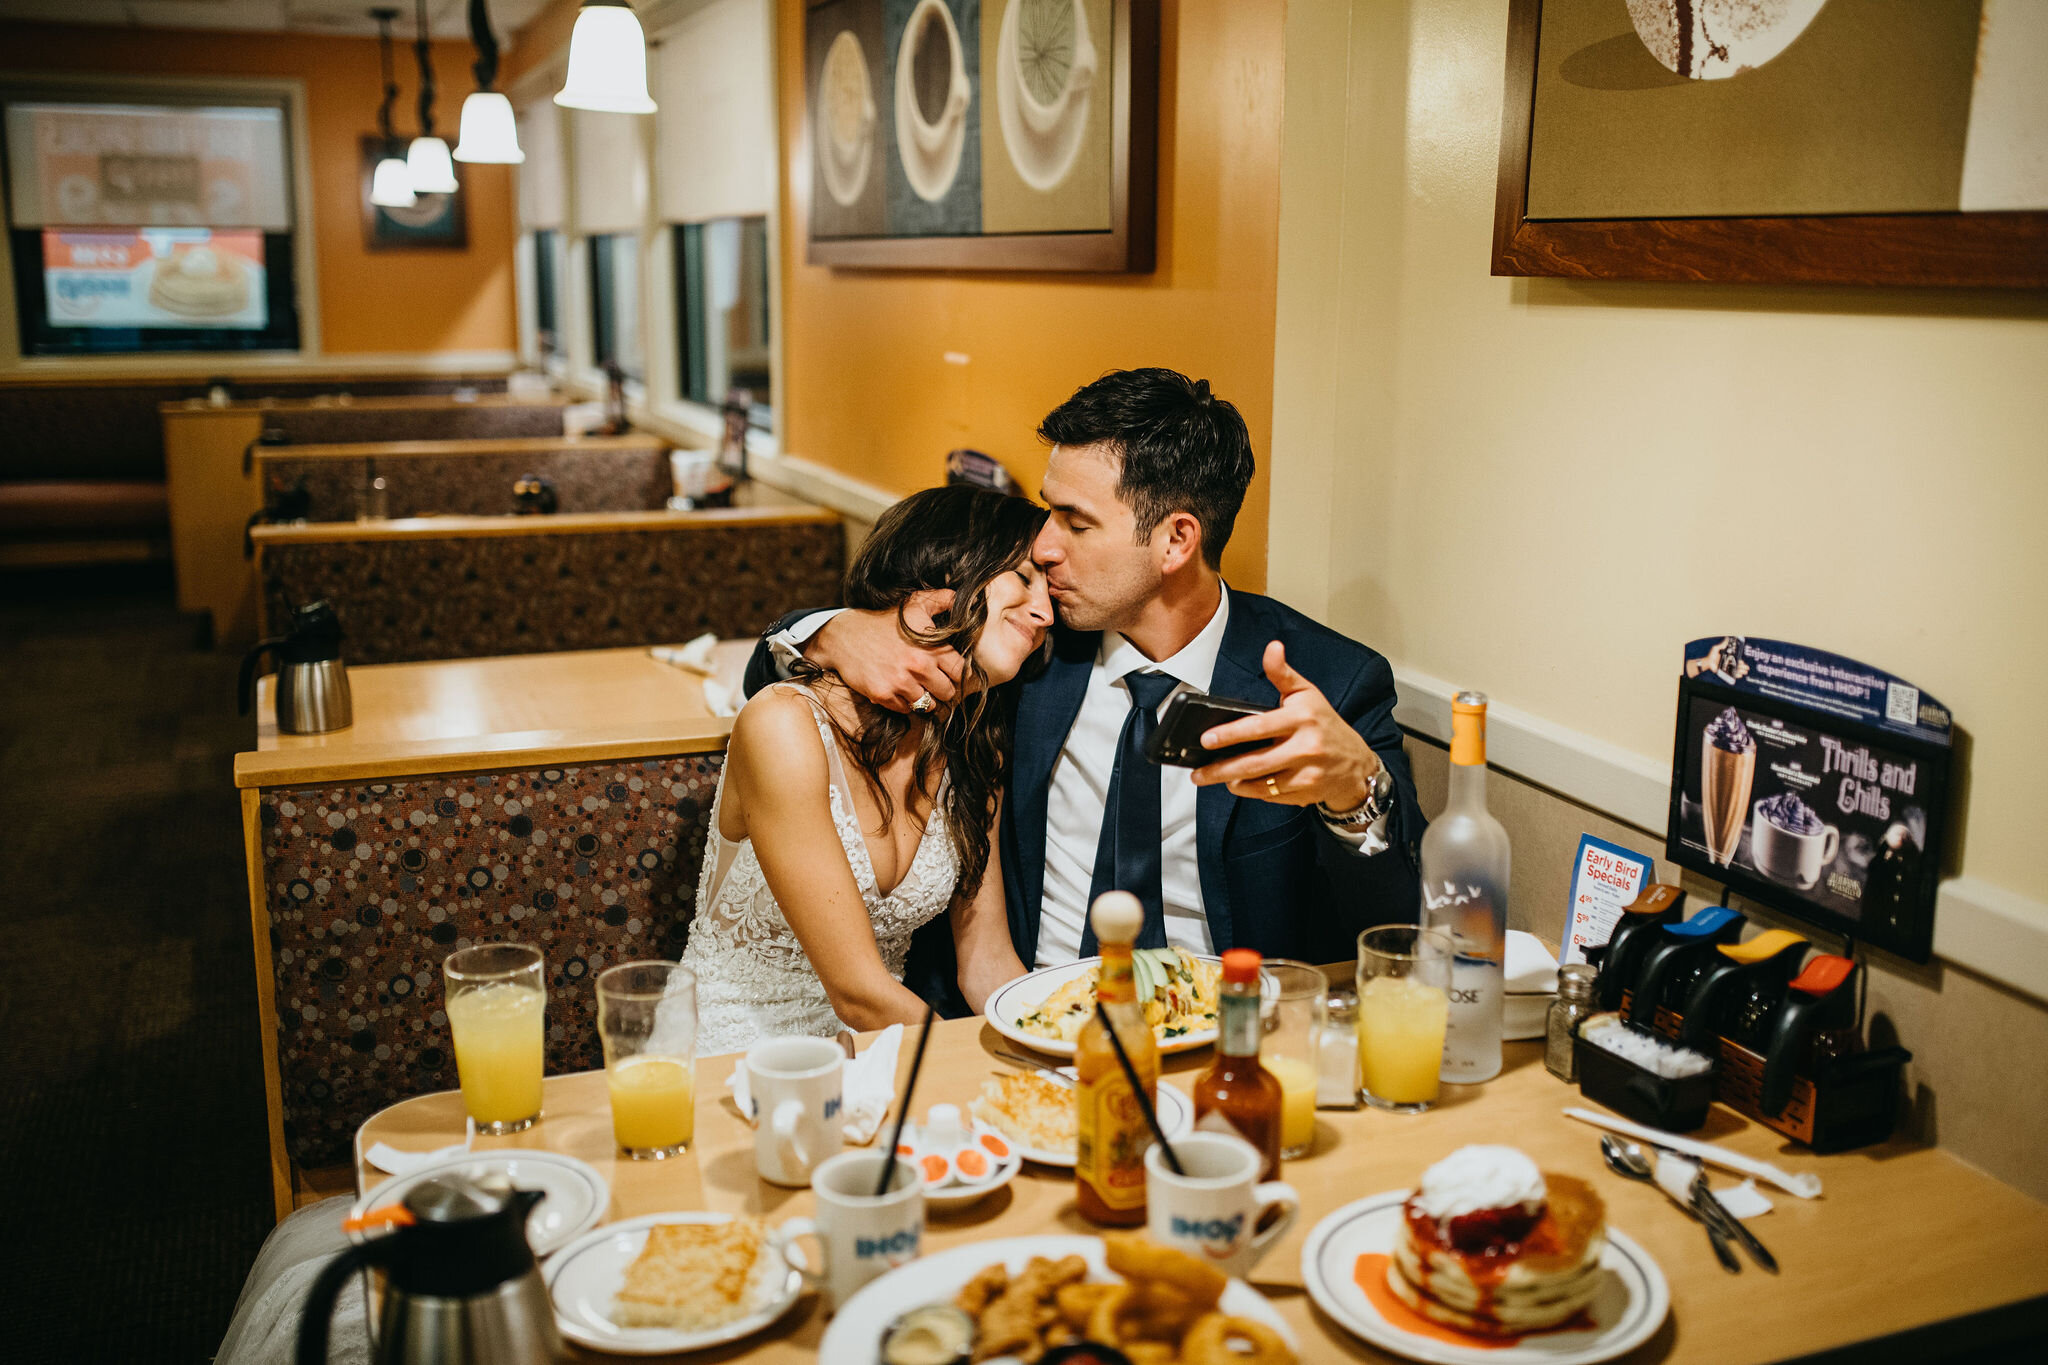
{"x": 155, "y": 277}
{"x": 1812, "y": 784}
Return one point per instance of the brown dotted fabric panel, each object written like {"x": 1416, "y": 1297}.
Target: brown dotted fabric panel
{"x": 479, "y": 485}
{"x": 479, "y": 596}
{"x": 369, "y": 887}
{"x": 342, "y": 424}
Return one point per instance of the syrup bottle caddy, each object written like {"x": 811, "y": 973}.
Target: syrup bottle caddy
{"x": 1777, "y": 1017}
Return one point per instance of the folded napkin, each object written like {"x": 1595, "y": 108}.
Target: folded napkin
{"x": 695, "y": 656}
{"x": 1675, "y": 1172}
{"x": 722, "y": 700}
{"x": 391, "y": 1161}
{"x": 1531, "y": 970}
{"x": 868, "y": 1086}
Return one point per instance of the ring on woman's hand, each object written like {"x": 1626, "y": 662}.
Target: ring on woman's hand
{"x": 924, "y": 703}
{"x": 1272, "y": 789}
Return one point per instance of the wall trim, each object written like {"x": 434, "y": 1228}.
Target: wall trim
{"x": 255, "y": 365}
{"x": 1984, "y": 928}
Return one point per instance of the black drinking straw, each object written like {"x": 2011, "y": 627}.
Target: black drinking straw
{"x": 1138, "y": 1089}
{"x": 903, "y": 1106}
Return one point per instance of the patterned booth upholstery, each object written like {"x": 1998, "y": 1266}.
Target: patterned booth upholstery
{"x": 367, "y": 888}
{"x": 464, "y": 597}
{"x": 586, "y": 480}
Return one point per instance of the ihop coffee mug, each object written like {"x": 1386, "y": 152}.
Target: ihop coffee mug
{"x": 1213, "y": 1210}
{"x": 795, "y": 1086}
{"x": 862, "y": 1235}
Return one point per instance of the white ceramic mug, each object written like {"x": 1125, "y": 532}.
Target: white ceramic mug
{"x": 1794, "y": 859}
{"x": 795, "y": 1087}
{"x": 1214, "y": 1209}
{"x": 862, "y": 1235}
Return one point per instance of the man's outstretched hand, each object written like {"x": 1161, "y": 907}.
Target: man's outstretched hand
{"x": 879, "y": 659}
{"x": 1312, "y": 757}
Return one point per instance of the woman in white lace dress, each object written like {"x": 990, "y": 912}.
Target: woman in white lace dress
{"x": 841, "y": 827}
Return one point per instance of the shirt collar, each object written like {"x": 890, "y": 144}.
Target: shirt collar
{"x": 1194, "y": 664}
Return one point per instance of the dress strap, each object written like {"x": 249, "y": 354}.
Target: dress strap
{"x": 828, "y": 735}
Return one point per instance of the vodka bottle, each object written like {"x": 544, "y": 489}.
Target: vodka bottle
{"x": 1465, "y": 892}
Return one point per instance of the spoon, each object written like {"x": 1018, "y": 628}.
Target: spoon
{"x": 1630, "y": 1161}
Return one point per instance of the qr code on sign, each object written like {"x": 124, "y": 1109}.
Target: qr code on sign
{"x": 1902, "y": 703}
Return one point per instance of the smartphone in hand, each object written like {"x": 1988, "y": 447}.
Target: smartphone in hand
{"x": 1190, "y": 715}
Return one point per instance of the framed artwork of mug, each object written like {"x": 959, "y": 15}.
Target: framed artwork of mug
{"x": 1776, "y": 142}
{"x": 434, "y": 220}
{"x": 980, "y": 134}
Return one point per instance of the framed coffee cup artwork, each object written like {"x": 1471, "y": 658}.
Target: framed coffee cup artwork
{"x": 980, "y": 134}
{"x": 1812, "y": 784}
{"x": 1775, "y": 142}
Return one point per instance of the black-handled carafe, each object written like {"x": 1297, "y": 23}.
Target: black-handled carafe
{"x": 1720, "y": 989}
{"x": 1672, "y": 949}
{"x": 461, "y": 1284}
{"x": 1658, "y": 905}
{"x": 1820, "y": 999}
{"x": 312, "y": 681}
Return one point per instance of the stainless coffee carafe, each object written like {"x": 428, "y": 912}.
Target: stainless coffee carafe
{"x": 461, "y": 1286}
{"x": 312, "y": 682}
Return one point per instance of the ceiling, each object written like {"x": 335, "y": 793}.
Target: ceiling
{"x": 447, "y": 18}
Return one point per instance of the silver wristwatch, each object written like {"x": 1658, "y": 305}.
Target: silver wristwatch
{"x": 1378, "y": 802}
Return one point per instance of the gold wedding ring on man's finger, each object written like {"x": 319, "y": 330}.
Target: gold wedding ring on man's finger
{"x": 1272, "y": 788}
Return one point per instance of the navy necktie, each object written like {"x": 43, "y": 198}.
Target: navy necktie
{"x": 1127, "y": 853}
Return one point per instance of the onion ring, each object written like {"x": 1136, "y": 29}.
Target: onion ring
{"x": 1210, "y": 1342}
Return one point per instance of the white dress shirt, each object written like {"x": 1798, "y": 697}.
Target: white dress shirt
{"x": 1078, "y": 798}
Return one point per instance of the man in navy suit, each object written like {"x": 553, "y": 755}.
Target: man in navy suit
{"x": 1290, "y": 849}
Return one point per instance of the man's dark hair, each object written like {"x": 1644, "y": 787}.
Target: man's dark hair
{"x": 1182, "y": 450}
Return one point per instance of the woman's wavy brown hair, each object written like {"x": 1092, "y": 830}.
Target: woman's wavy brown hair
{"x": 961, "y": 538}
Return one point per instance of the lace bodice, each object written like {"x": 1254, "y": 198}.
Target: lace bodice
{"x": 754, "y": 979}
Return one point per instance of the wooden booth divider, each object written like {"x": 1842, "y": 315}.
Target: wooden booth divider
{"x": 473, "y": 477}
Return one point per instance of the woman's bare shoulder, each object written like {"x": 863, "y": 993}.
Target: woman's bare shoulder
{"x": 777, "y": 730}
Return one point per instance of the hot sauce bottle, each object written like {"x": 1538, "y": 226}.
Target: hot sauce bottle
{"x": 1236, "y": 1095}
{"x": 1109, "y": 1154}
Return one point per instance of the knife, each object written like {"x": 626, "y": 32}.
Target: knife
{"x": 1672, "y": 1175}
{"x": 1714, "y": 1211}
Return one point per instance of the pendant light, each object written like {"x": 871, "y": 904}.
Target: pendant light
{"x": 490, "y": 134}
{"x": 607, "y": 61}
{"x": 391, "y": 183}
{"x": 433, "y": 171}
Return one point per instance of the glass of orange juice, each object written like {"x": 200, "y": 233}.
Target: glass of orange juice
{"x": 1295, "y": 1007}
{"x": 496, "y": 1001}
{"x": 1404, "y": 1003}
{"x": 647, "y": 1018}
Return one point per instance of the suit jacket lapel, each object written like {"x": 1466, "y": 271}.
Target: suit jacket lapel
{"x": 1045, "y": 713}
{"x": 1240, "y": 673}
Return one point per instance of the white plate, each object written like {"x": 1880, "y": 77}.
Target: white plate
{"x": 958, "y": 1196}
{"x": 577, "y": 1196}
{"x": 587, "y": 1274}
{"x": 1626, "y": 1312}
{"x": 855, "y": 1336}
{"x": 1015, "y": 999}
{"x": 1176, "y": 1116}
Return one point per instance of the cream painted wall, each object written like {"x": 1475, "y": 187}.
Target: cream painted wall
{"x": 1542, "y": 488}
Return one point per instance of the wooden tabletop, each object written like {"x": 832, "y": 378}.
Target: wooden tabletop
{"x": 467, "y": 445}
{"x": 556, "y": 524}
{"x": 525, "y": 710}
{"x": 1904, "y": 1235}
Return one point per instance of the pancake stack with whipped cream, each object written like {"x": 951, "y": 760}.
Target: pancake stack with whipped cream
{"x": 1491, "y": 1245}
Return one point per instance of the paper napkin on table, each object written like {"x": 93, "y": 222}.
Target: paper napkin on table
{"x": 391, "y": 1161}
{"x": 720, "y": 699}
{"x": 867, "y": 1087}
{"x": 695, "y": 656}
{"x": 1531, "y": 970}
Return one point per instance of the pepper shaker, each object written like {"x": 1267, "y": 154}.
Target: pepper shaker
{"x": 1574, "y": 1002}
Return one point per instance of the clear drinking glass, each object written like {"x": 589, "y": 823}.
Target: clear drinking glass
{"x": 1404, "y": 1002}
{"x": 647, "y": 1018}
{"x": 496, "y": 1001}
{"x": 1295, "y": 1009}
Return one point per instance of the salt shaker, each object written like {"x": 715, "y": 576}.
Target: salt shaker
{"x": 1337, "y": 1058}
{"x": 1574, "y": 1002}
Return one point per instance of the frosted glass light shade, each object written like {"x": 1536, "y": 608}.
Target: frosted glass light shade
{"x": 433, "y": 171}
{"x": 490, "y": 134}
{"x": 607, "y": 62}
{"x": 391, "y": 185}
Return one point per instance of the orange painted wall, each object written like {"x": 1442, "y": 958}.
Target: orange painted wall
{"x": 869, "y": 389}
{"x": 385, "y": 301}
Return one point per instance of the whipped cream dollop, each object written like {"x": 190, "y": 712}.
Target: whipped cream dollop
{"x": 1480, "y": 1177}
